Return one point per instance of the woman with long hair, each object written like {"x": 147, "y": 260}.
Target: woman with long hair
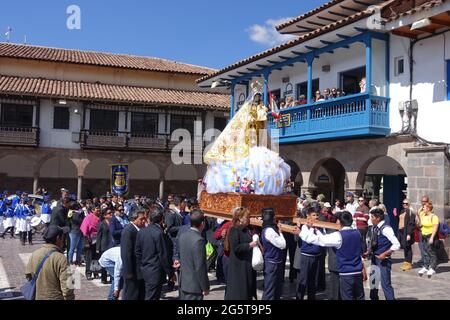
{"x": 241, "y": 278}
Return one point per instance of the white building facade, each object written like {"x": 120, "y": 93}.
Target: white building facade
{"x": 67, "y": 115}
{"x": 387, "y": 139}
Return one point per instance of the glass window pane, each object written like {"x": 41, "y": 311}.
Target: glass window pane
{"x": 61, "y": 118}
{"x": 17, "y": 115}
{"x": 104, "y": 120}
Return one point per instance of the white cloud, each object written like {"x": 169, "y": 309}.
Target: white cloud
{"x": 267, "y": 34}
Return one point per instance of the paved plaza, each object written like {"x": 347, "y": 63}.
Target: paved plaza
{"x": 408, "y": 285}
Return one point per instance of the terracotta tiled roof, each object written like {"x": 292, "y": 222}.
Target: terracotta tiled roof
{"x": 38, "y": 87}
{"x": 292, "y": 43}
{"x": 99, "y": 59}
{"x": 404, "y": 8}
{"x": 308, "y": 14}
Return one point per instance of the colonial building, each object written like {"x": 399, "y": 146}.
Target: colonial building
{"x": 388, "y": 136}
{"x": 67, "y": 115}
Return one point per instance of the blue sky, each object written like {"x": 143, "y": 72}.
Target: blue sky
{"x": 203, "y": 32}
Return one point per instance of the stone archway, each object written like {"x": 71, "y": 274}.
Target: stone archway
{"x": 296, "y": 176}
{"x": 144, "y": 178}
{"x": 16, "y": 173}
{"x": 181, "y": 179}
{"x": 96, "y": 180}
{"x": 56, "y": 173}
{"x": 384, "y": 178}
{"x": 328, "y": 176}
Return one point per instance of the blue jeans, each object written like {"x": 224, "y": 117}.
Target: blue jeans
{"x": 110, "y": 271}
{"x": 76, "y": 242}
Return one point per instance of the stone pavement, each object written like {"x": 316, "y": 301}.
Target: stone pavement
{"x": 407, "y": 285}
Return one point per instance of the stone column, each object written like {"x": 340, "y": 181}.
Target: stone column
{"x": 79, "y": 187}
{"x": 35, "y": 182}
{"x": 310, "y": 190}
{"x": 428, "y": 171}
{"x": 161, "y": 189}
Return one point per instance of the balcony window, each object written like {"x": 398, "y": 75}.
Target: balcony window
{"x": 61, "y": 118}
{"x": 182, "y": 122}
{"x": 144, "y": 123}
{"x": 103, "y": 120}
{"x": 302, "y": 88}
{"x": 220, "y": 123}
{"x": 16, "y": 115}
{"x": 349, "y": 80}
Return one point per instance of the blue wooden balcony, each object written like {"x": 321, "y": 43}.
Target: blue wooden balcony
{"x": 359, "y": 115}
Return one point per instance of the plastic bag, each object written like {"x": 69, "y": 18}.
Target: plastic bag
{"x": 257, "y": 257}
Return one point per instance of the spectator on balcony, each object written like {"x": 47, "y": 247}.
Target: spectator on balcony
{"x": 362, "y": 85}
{"x": 326, "y": 94}
{"x": 318, "y": 97}
{"x": 290, "y": 102}
{"x": 340, "y": 93}
{"x": 334, "y": 93}
{"x": 302, "y": 100}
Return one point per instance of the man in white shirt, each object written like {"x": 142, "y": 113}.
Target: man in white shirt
{"x": 347, "y": 244}
{"x": 383, "y": 243}
{"x": 112, "y": 262}
{"x": 274, "y": 243}
{"x": 351, "y": 203}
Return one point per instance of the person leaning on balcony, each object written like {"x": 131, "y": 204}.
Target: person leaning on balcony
{"x": 318, "y": 96}
{"x": 406, "y": 228}
{"x": 429, "y": 223}
{"x": 290, "y": 102}
{"x": 334, "y": 93}
{"x": 340, "y": 93}
{"x": 302, "y": 100}
{"x": 362, "y": 84}
{"x": 326, "y": 94}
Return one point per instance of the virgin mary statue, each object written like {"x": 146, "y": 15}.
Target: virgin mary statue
{"x": 241, "y": 154}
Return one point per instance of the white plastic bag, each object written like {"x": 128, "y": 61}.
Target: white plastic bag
{"x": 257, "y": 258}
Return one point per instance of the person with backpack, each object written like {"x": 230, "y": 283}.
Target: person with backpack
{"x": 52, "y": 275}
{"x": 429, "y": 227}
{"x": 383, "y": 243}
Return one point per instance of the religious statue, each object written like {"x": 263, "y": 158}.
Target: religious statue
{"x": 242, "y": 150}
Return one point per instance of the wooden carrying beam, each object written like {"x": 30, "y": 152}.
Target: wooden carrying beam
{"x": 284, "y": 227}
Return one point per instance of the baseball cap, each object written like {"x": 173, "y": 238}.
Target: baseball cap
{"x": 350, "y": 194}
{"x": 53, "y": 231}
{"x": 327, "y": 205}
{"x": 64, "y": 190}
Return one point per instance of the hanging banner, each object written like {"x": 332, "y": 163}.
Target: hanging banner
{"x": 119, "y": 179}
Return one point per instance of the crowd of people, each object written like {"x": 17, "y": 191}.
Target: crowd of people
{"x": 144, "y": 245}
{"x": 324, "y": 95}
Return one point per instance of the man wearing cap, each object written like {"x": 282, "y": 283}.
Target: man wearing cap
{"x": 23, "y": 214}
{"x": 54, "y": 279}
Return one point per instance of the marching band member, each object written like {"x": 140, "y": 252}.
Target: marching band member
{"x": 348, "y": 248}
{"x": 9, "y": 219}
{"x": 46, "y": 211}
{"x": 23, "y": 215}
{"x": 2, "y": 212}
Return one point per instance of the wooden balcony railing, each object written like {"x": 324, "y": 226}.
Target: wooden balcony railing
{"x": 349, "y": 116}
{"x": 19, "y": 136}
{"x": 131, "y": 141}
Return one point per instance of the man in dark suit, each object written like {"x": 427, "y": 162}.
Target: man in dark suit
{"x": 153, "y": 256}
{"x": 59, "y": 213}
{"x": 194, "y": 280}
{"x": 134, "y": 288}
